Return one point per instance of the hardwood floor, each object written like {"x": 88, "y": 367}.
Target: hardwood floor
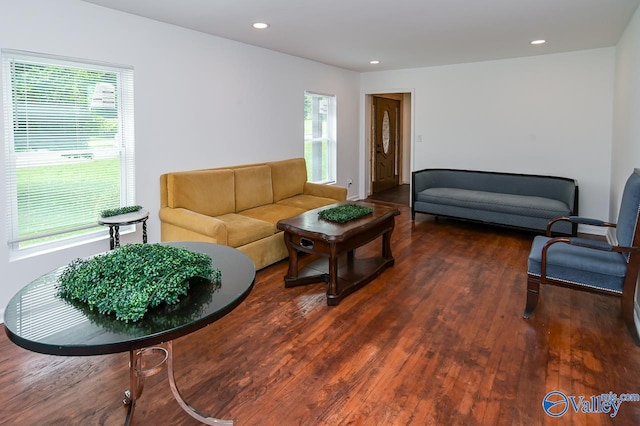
{"x": 397, "y": 195}
{"x": 436, "y": 339}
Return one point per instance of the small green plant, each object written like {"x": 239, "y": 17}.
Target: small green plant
{"x": 344, "y": 213}
{"x": 120, "y": 210}
{"x": 133, "y": 278}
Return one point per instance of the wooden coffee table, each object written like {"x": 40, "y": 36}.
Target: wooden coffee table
{"x": 334, "y": 245}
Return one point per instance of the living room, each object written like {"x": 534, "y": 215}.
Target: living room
{"x": 203, "y": 101}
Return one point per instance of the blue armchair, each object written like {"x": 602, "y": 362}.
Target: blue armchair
{"x": 591, "y": 265}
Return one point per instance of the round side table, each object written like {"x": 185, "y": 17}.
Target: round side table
{"x": 115, "y": 222}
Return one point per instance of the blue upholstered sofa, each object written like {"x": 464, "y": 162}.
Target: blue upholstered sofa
{"x": 505, "y": 199}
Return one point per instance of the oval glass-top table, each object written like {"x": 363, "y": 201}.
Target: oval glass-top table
{"x": 40, "y": 321}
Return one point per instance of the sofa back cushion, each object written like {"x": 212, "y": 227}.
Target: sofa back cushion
{"x": 209, "y": 192}
{"x": 288, "y": 178}
{"x": 253, "y": 187}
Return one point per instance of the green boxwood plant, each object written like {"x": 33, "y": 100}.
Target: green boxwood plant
{"x": 131, "y": 279}
{"x": 120, "y": 210}
{"x": 344, "y": 213}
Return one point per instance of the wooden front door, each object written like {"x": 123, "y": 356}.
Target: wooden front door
{"x": 386, "y": 141}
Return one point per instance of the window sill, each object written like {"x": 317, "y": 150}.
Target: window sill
{"x": 44, "y": 249}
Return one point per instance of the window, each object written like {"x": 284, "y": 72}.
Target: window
{"x": 69, "y": 148}
{"x": 320, "y": 137}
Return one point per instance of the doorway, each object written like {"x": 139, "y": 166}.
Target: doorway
{"x": 389, "y": 127}
{"x": 386, "y": 143}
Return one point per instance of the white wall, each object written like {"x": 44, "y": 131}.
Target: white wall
{"x": 626, "y": 117}
{"x": 547, "y": 115}
{"x": 200, "y": 101}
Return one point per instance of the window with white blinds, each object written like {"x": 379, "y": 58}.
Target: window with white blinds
{"x": 320, "y": 150}
{"x": 69, "y": 147}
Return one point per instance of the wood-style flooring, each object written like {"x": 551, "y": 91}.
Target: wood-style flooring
{"x": 437, "y": 339}
{"x": 396, "y": 195}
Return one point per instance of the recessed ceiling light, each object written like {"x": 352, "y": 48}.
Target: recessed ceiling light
{"x": 374, "y": 62}
{"x": 538, "y": 41}
{"x": 260, "y": 25}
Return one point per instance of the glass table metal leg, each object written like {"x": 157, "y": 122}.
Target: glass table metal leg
{"x": 185, "y": 406}
{"x": 138, "y": 370}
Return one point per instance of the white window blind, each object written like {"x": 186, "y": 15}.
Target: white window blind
{"x": 320, "y": 150}
{"x": 69, "y": 145}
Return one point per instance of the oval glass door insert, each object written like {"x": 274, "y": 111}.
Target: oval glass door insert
{"x": 385, "y": 132}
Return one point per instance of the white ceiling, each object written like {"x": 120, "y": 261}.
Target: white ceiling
{"x": 399, "y": 33}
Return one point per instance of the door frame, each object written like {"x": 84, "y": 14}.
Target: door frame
{"x": 365, "y": 145}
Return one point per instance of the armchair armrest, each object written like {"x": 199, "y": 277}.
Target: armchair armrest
{"x": 338, "y": 193}
{"x": 195, "y": 222}
{"x": 592, "y": 244}
{"x": 590, "y": 221}
{"x": 578, "y": 220}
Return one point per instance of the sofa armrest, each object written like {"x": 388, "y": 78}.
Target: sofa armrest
{"x": 196, "y": 222}
{"x": 421, "y": 180}
{"x": 338, "y": 193}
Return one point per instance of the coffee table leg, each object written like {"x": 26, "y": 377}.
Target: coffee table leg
{"x": 293, "y": 257}
{"x": 386, "y": 245}
{"x": 332, "y": 287}
{"x": 176, "y": 393}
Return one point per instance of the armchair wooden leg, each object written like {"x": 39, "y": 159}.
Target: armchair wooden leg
{"x": 533, "y": 291}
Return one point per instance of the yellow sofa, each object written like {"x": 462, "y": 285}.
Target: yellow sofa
{"x": 240, "y": 206}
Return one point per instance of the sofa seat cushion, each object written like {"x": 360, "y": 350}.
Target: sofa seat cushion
{"x": 272, "y": 213}
{"x": 523, "y": 205}
{"x": 306, "y": 202}
{"x": 243, "y": 230}
{"x": 579, "y": 265}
